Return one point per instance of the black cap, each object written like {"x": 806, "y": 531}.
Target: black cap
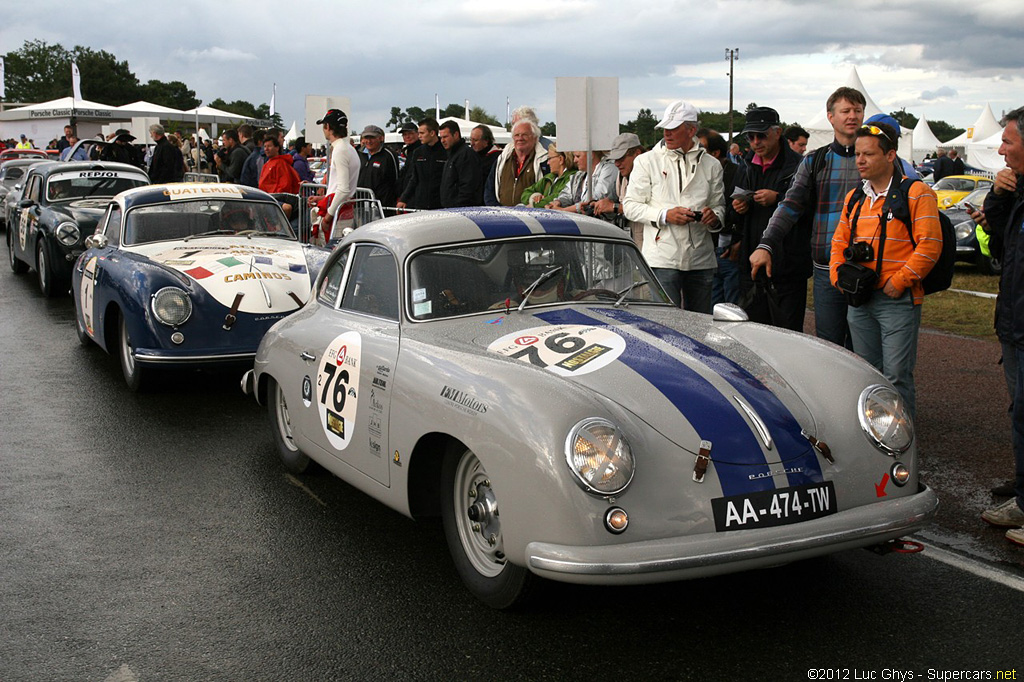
{"x": 409, "y": 128}
{"x": 121, "y": 132}
{"x": 760, "y": 119}
{"x": 334, "y": 117}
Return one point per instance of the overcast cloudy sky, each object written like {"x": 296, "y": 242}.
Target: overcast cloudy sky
{"x": 944, "y": 59}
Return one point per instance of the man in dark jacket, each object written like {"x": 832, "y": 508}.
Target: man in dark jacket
{"x": 167, "y": 164}
{"x": 231, "y": 158}
{"x": 943, "y": 165}
{"x": 482, "y": 142}
{"x": 1004, "y": 211}
{"x": 378, "y": 169}
{"x": 411, "y": 140}
{"x": 423, "y": 187}
{"x": 122, "y": 150}
{"x": 462, "y": 179}
{"x": 760, "y": 183}
{"x": 301, "y": 150}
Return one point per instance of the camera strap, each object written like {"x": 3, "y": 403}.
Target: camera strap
{"x": 883, "y": 220}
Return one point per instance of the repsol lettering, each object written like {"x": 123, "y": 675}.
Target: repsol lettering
{"x": 243, "y": 276}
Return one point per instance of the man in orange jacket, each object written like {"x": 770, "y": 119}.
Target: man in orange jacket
{"x": 885, "y": 328}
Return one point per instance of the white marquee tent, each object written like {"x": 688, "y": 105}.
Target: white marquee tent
{"x": 984, "y": 153}
{"x": 924, "y": 140}
{"x": 984, "y": 127}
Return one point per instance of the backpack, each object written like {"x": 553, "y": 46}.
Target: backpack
{"x": 941, "y": 276}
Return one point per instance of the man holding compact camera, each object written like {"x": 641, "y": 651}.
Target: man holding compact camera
{"x": 886, "y": 242}
{"x": 677, "y": 192}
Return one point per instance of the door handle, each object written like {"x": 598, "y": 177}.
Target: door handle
{"x": 308, "y": 357}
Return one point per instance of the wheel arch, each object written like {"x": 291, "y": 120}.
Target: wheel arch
{"x": 424, "y": 479}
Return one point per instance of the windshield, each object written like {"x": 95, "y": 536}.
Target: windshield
{"x": 176, "y": 220}
{"x": 477, "y": 278}
{"x": 954, "y": 184}
{"x": 90, "y": 184}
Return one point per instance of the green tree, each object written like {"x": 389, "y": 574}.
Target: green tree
{"x": 173, "y": 94}
{"x": 37, "y": 72}
{"x": 479, "y": 115}
{"x": 906, "y": 120}
{"x": 548, "y": 129}
{"x": 104, "y": 78}
{"x": 643, "y": 126}
{"x": 945, "y": 131}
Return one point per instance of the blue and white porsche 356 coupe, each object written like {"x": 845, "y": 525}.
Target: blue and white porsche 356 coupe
{"x": 189, "y": 275}
{"x": 58, "y": 207}
{"x": 521, "y": 374}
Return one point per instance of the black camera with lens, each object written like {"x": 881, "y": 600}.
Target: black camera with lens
{"x": 859, "y": 252}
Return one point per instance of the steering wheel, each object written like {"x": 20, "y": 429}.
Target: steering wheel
{"x": 593, "y": 292}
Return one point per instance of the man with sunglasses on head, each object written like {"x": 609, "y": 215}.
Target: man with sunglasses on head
{"x": 812, "y": 207}
{"x": 760, "y": 184}
{"x": 894, "y": 231}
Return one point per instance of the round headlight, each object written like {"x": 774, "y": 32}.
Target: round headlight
{"x": 964, "y": 230}
{"x": 884, "y": 419}
{"x": 171, "y": 306}
{"x": 599, "y": 457}
{"x": 68, "y": 234}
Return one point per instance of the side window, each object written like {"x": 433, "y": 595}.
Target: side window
{"x": 372, "y": 286}
{"x": 331, "y": 285}
{"x": 32, "y": 190}
{"x": 113, "y": 227}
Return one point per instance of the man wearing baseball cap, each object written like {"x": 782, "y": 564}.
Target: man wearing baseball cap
{"x": 760, "y": 184}
{"x": 625, "y": 148}
{"x": 676, "y": 191}
{"x": 342, "y": 174}
{"x": 379, "y": 166}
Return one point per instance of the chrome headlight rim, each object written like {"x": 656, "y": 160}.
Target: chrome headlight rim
{"x": 159, "y": 299}
{"x": 67, "y": 233}
{"x": 628, "y": 461}
{"x": 892, "y": 398}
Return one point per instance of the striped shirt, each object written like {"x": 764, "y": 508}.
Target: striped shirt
{"x": 836, "y": 178}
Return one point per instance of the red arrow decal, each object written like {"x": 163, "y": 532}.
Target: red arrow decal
{"x": 880, "y": 487}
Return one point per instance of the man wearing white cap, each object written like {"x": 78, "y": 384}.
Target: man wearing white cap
{"x": 676, "y": 191}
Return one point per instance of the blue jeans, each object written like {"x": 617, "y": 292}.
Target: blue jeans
{"x": 884, "y": 332}
{"x": 692, "y": 288}
{"x": 726, "y": 287}
{"x": 830, "y": 311}
{"x": 1018, "y": 431}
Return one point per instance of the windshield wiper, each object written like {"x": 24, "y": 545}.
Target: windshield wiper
{"x": 625, "y": 292}
{"x": 536, "y": 283}
{"x": 207, "y": 234}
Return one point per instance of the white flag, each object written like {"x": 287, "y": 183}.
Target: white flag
{"x": 273, "y": 96}
{"x": 76, "y": 81}
{"x": 3, "y": 90}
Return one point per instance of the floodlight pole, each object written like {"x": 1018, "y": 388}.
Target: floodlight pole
{"x": 732, "y": 54}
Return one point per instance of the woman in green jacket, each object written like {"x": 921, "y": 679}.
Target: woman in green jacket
{"x": 545, "y": 190}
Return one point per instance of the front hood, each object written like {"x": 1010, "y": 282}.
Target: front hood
{"x": 269, "y": 275}
{"x": 680, "y": 373}
{"x": 84, "y": 212}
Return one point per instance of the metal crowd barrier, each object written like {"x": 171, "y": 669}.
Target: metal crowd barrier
{"x": 366, "y": 209}
{"x": 201, "y": 177}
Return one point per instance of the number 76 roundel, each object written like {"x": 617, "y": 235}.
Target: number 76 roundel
{"x": 337, "y": 384}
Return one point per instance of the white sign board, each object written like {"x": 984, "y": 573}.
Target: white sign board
{"x": 316, "y": 107}
{"x": 586, "y": 113}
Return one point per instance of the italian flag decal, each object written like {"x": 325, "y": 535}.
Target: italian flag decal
{"x": 214, "y": 267}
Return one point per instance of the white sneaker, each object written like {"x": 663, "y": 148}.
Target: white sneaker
{"x": 1016, "y": 536}
{"x": 1006, "y": 515}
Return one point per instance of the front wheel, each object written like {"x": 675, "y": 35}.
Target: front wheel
{"x": 134, "y": 375}
{"x": 281, "y": 424}
{"x": 44, "y": 271}
{"x": 17, "y": 267}
{"x": 469, "y": 510}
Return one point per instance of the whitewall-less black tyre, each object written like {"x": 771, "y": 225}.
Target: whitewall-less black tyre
{"x": 281, "y": 424}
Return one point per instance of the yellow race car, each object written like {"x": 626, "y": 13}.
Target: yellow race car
{"x": 952, "y": 188}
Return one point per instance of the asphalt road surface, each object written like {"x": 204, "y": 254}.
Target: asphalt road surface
{"x": 155, "y": 537}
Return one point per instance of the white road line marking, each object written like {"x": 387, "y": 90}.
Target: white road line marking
{"x": 979, "y": 294}
{"x": 1014, "y": 582}
{"x": 302, "y": 486}
{"x": 122, "y": 674}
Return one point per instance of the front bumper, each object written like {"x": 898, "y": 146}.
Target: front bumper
{"x": 159, "y": 357}
{"x": 655, "y": 561}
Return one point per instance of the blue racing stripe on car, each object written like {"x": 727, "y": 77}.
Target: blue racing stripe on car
{"x": 710, "y": 413}
{"x": 556, "y": 223}
{"x": 496, "y": 224}
{"x": 793, "y": 448}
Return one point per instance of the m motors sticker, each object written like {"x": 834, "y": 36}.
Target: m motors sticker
{"x": 337, "y": 383}
{"x": 88, "y": 286}
{"x": 565, "y": 349}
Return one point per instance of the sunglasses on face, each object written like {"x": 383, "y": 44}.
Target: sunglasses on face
{"x": 757, "y": 136}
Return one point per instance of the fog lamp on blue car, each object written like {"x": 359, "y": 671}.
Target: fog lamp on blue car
{"x": 171, "y": 306}
{"x": 884, "y": 419}
{"x": 68, "y": 234}
{"x": 599, "y": 457}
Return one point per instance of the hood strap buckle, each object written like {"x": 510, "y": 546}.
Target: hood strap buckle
{"x": 700, "y": 466}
